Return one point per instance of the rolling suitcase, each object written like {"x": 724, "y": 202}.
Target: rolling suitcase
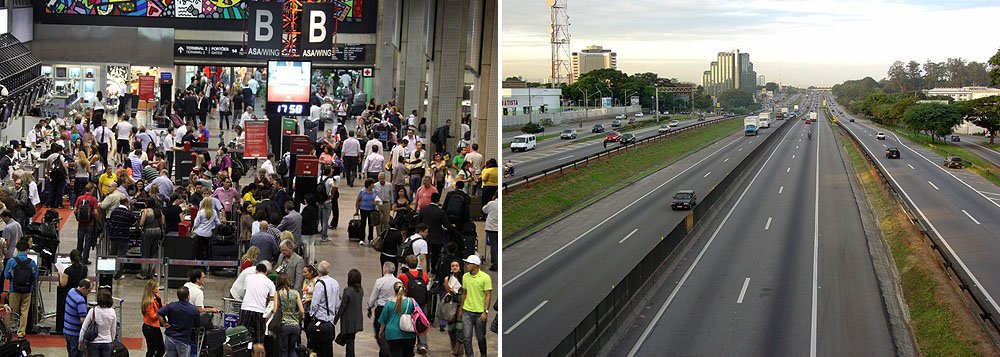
{"x": 118, "y": 349}
{"x": 15, "y": 349}
{"x": 354, "y": 229}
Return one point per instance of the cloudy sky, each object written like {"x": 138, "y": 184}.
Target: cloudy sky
{"x": 821, "y": 42}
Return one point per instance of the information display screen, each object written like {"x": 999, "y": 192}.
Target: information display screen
{"x": 288, "y": 84}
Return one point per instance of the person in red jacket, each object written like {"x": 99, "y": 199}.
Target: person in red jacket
{"x": 86, "y": 214}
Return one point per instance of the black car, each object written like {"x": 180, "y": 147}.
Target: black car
{"x": 598, "y": 128}
{"x": 627, "y": 139}
{"x": 684, "y": 199}
{"x": 953, "y": 162}
{"x": 892, "y": 152}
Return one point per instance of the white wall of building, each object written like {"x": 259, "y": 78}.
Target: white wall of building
{"x": 518, "y": 98}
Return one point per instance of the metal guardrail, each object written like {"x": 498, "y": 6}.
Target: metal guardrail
{"x": 951, "y": 263}
{"x": 598, "y": 327}
{"x": 559, "y": 169}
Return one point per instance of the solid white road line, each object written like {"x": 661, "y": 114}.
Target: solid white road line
{"x": 629, "y": 235}
{"x": 743, "y": 291}
{"x": 673, "y": 293}
{"x": 970, "y": 217}
{"x": 932, "y": 185}
{"x": 564, "y": 158}
{"x": 815, "y": 287}
{"x": 911, "y": 167}
{"x": 547, "y": 257}
{"x": 532, "y": 312}
{"x": 782, "y": 188}
{"x": 706, "y": 175}
{"x": 768, "y": 225}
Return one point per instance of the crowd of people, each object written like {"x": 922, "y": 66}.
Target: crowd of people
{"x": 415, "y": 207}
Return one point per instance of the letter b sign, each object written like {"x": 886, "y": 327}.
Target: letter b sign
{"x": 265, "y": 25}
{"x": 317, "y": 26}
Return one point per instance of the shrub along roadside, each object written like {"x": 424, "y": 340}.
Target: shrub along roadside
{"x": 528, "y": 209}
{"x": 938, "y": 317}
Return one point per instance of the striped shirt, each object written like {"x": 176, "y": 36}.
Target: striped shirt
{"x": 76, "y": 307}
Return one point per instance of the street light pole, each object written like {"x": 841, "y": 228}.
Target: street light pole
{"x": 657, "y": 95}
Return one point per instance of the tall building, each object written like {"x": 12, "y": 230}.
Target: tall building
{"x": 732, "y": 70}
{"x": 591, "y": 58}
{"x": 760, "y": 80}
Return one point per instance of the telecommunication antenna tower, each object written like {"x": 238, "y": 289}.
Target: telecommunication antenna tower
{"x": 559, "y": 38}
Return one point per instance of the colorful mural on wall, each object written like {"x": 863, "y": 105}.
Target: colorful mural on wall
{"x": 202, "y": 9}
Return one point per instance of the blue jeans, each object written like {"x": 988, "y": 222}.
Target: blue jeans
{"x": 491, "y": 240}
{"x": 99, "y": 350}
{"x": 83, "y": 241}
{"x": 288, "y": 339}
{"x": 473, "y": 323}
{"x": 71, "y": 344}
{"x": 176, "y": 348}
{"x": 324, "y": 220}
{"x": 415, "y": 181}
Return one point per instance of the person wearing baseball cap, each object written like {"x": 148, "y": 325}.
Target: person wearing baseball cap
{"x": 477, "y": 291}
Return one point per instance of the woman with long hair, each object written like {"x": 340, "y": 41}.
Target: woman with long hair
{"x": 151, "y": 303}
{"x": 249, "y": 258}
{"x": 288, "y": 302}
{"x": 82, "y": 176}
{"x": 400, "y": 342}
{"x": 349, "y": 314}
{"x": 204, "y": 225}
{"x": 152, "y": 221}
{"x": 453, "y": 290}
{"x": 308, "y": 284}
{"x": 105, "y": 320}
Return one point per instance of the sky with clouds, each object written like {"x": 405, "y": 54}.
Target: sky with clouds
{"x": 821, "y": 42}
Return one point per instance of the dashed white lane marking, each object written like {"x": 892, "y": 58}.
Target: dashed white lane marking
{"x": 789, "y": 169}
{"x": 911, "y": 167}
{"x": 532, "y": 312}
{"x": 727, "y": 159}
{"x": 629, "y": 235}
{"x": 743, "y": 291}
{"x": 768, "y": 225}
{"x": 970, "y": 216}
{"x": 782, "y": 188}
{"x": 934, "y": 186}
{"x": 564, "y": 158}
{"x": 706, "y": 175}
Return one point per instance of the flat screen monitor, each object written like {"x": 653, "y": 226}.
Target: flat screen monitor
{"x": 288, "y": 86}
{"x": 64, "y": 260}
{"x": 34, "y": 257}
{"x": 107, "y": 265}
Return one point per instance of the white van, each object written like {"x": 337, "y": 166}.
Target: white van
{"x": 523, "y": 142}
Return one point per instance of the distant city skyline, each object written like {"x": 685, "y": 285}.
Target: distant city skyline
{"x": 799, "y": 43}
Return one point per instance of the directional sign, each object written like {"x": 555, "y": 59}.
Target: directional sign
{"x": 199, "y": 50}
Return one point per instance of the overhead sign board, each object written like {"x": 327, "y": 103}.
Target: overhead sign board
{"x": 200, "y": 50}
{"x": 264, "y": 29}
{"x": 316, "y": 31}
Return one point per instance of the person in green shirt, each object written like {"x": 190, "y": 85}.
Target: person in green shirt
{"x": 457, "y": 161}
{"x": 477, "y": 291}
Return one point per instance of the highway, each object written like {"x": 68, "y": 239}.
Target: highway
{"x": 961, "y": 206}
{"x": 559, "y": 274}
{"x": 782, "y": 270}
{"x": 558, "y": 151}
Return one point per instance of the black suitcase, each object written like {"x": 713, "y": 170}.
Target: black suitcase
{"x": 15, "y": 349}
{"x": 215, "y": 337}
{"x": 354, "y": 230}
{"x": 118, "y": 349}
{"x": 225, "y": 252}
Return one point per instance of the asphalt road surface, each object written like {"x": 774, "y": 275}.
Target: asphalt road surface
{"x": 785, "y": 271}
{"x": 554, "y": 278}
{"x": 961, "y": 206}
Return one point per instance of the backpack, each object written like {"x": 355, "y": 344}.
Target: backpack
{"x": 321, "y": 194}
{"x": 282, "y": 167}
{"x": 406, "y": 249}
{"x": 454, "y": 206}
{"x": 416, "y": 288}
{"x": 326, "y": 112}
{"x": 85, "y": 213}
{"x": 23, "y": 277}
{"x": 57, "y": 172}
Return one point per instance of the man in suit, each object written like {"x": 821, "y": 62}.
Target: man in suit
{"x": 190, "y": 107}
{"x": 292, "y": 221}
{"x": 204, "y": 105}
{"x": 437, "y": 222}
{"x": 291, "y": 263}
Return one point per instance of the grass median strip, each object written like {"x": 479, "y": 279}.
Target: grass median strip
{"x": 528, "y": 209}
{"x": 938, "y": 315}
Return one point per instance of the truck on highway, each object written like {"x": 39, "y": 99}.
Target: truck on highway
{"x": 782, "y": 114}
{"x": 750, "y": 125}
{"x": 812, "y": 116}
{"x": 764, "y": 120}
{"x": 796, "y": 107}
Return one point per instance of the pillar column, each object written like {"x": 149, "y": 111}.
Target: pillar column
{"x": 385, "y": 61}
{"x": 448, "y": 68}
{"x": 485, "y": 97}
{"x": 414, "y": 57}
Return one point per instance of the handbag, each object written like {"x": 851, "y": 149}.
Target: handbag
{"x": 448, "y": 308}
{"x": 341, "y": 338}
{"x": 274, "y": 325}
{"x": 379, "y": 242}
{"x": 321, "y": 330}
{"x": 375, "y": 218}
{"x": 92, "y": 333}
{"x": 406, "y": 320}
{"x": 420, "y": 322}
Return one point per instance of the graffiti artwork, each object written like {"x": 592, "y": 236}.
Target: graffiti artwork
{"x": 347, "y": 10}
